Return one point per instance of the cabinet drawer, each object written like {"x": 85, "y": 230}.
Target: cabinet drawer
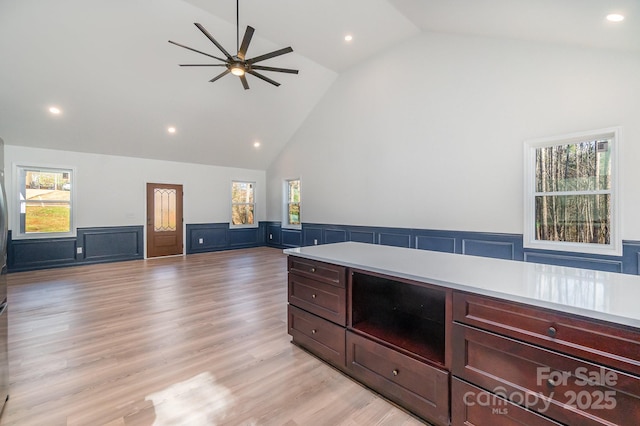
{"x": 412, "y": 384}
{"x": 545, "y": 381}
{"x": 325, "y": 272}
{"x": 319, "y": 336}
{"x": 472, "y": 406}
{"x": 322, "y": 299}
{"x": 611, "y": 345}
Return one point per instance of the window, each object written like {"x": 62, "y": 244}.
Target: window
{"x": 292, "y": 204}
{"x": 243, "y": 205}
{"x": 45, "y": 202}
{"x": 571, "y": 199}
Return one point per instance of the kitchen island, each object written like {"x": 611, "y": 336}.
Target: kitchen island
{"x": 460, "y": 339}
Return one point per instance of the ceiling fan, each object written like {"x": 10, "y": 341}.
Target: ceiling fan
{"x": 238, "y": 64}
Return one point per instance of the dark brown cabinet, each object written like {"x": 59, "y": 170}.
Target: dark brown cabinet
{"x": 318, "y": 335}
{"x": 396, "y": 341}
{"x": 389, "y": 334}
{"x": 319, "y": 271}
{"x": 546, "y": 362}
{"x": 461, "y": 358}
{"x": 613, "y": 345}
{"x": 325, "y": 300}
{"x": 411, "y": 383}
{"x": 317, "y": 308}
{"x": 474, "y": 406}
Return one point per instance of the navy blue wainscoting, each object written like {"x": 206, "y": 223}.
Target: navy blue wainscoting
{"x": 494, "y": 245}
{"x": 206, "y": 237}
{"x": 279, "y": 237}
{"x": 485, "y": 244}
{"x": 502, "y": 246}
{"x": 98, "y": 245}
{"x": 273, "y": 236}
{"x": 108, "y": 244}
{"x": 631, "y": 257}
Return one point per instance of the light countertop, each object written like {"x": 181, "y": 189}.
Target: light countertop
{"x": 601, "y": 295}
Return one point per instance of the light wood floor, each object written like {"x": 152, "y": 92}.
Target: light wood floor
{"x": 195, "y": 340}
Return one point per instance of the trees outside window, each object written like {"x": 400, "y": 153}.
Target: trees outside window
{"x": 292, "y": 217}
{"x": 243, "y": 204}
{"x": 571, "y": 194}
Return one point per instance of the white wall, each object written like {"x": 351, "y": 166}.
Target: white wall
{"x": 430, "y": 134}
{"x": 111, "y": 190}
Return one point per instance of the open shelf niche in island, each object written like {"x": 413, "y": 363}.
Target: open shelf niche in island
{"x": 407, "y": 316}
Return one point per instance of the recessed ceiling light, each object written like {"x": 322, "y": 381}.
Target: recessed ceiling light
{"x": 171, "y": 129}
{"x": 348, "y": 37}
{"x": 615, "y": 17}
{"x": 55, "y": 110}
{"x": 256, "y": 144}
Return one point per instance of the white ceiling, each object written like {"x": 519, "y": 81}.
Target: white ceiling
{"x": 108, "y": 65}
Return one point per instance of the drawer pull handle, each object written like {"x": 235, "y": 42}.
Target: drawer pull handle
{"x": 314, "y": 331}
{"x": 313, "y": 296}
{"x": 552, "y": 332}
{"x": 395, "y": 372}
{"x": 313, "y": 269}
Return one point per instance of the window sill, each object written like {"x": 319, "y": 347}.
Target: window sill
{"x": 243, "y": 226}
{"x": 43, "y": 236}
{"x": 610, "y": 250}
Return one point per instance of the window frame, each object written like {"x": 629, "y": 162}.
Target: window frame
{"x": 614, "y": 248}
{"x": 254, "y": 204}
{"x": 285, "y": 207}
{"x": 17, "y": 231}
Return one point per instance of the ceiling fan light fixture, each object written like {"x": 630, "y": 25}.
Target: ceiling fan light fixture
{"x": 237, "y": 69}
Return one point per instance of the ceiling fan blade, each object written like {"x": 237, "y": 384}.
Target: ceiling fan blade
{"x": 219, "y": 76}
{"x": 245, "y": 84}
{"x": 203, "y": 65}
{"x": 213, "y": 40}
{"x": 263, "y": 68}
{"x": 270, "y": 55}
{"x": 197, "y": 51}
{"x": 245, "y": 42}
{"x": 262, "y": 77}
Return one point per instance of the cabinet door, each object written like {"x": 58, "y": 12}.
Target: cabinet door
{"x": 472, "y": 406}
{"x": 567, "y": 389}
{"x": 412, "y": 384}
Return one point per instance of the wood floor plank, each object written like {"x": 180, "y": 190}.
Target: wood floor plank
{"x": 194, "y": 340}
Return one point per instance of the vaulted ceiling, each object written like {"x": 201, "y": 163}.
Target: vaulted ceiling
{"x": 108, "y": 66}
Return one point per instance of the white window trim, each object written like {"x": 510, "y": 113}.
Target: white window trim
{"x": 255, "y": 205}
{"x": 285, "y": 206}
{"x": 614, "y": 248}
{"x": 16, "y": 203}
